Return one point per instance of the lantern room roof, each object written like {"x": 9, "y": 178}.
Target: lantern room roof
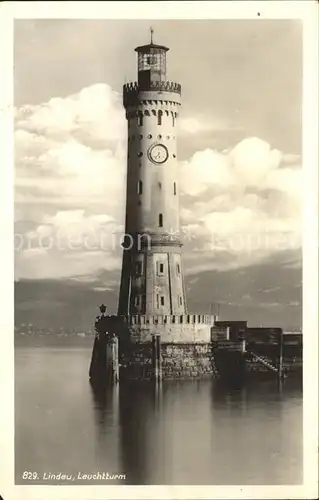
{"x": 145, "y": 49}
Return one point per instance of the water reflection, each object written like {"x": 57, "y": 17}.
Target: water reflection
{"x": 193, "y": 432}
{"x": 105, "y": 401}
{"x": 139, "y": 417}
{"x": 179, "y": 432}
{"x": 105, "y": 404}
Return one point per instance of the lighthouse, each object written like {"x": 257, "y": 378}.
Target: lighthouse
{"x": 153, "y": 335}
{"x": 152, "y": 281}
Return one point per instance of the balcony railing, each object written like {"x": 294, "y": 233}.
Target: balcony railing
{"x": 132, "y": 89}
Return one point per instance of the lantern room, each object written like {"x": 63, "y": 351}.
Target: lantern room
{"x": 151, "y": 64}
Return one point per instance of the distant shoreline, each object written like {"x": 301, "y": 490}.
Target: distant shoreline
{"x": 53, "y": 341}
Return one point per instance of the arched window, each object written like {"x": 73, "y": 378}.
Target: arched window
{"x": 146, "y": 112}
{"x": 140, "y": 187}
{"x": 159, "y": 117}
{"x": 160, "y": 220}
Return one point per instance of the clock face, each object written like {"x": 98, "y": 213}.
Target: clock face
{"x": 158, "y": 153}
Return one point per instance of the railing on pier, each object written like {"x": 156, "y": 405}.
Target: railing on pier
{"x": 264, "y": 362}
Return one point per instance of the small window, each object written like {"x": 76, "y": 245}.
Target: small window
{"x": 159, "y": 117}
{"x": 141, "y": 136}
{"x": 137, "y": 300}
{"x": 140, "y": 154}
{"x": 174, "y": 156}
{"x": 178, "y": 269}
{"x": 140, "y": 187}
{"x": 138, "y": 268}
{"x": 159, "y": 136}
{"x": 174, "y": 188}
{"x": 162, "y": 300}
{"x": 160, "y": 220}
{"x": 160, "y": 268}
{"x": 140, "y": 120}
{"x": 173, "y": 118}
{"x": 159, "y": 185}
{"x": 149, "y": 136}
{"x": 180, "y": 300}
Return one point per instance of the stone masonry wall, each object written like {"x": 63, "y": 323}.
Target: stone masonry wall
{"x": 172, "y": 332}
{"x": 178, "y": 361}
{"x": 186, "y": 361}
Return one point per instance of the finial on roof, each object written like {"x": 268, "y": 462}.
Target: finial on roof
{"x": 152, "y": 31}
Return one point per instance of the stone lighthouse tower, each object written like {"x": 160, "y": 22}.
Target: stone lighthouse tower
{"x": 152, "y": 280}
{"x": 156, "y": 334}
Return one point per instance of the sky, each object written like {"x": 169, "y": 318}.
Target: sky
{"x": 239, "y": 151}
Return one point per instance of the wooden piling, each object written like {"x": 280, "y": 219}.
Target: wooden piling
{"x": 159, "y": 357}
{"x": 243, "y": 345}
{"x": 280, "y": 357}
{"x": 156, "y": 357}
{"x": 112, "y": 360}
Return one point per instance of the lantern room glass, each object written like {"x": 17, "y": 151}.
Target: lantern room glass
{"x": 154, "y": 60}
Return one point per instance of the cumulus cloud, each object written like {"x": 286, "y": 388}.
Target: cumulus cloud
{"x": 95, "y": 111}
{"x": 245, "y": 204}
{"x": 237, "y": 206}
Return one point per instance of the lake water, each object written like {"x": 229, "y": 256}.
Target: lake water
{"x": 190, "y": 432}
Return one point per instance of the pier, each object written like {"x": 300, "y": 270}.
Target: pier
{"x": 233, "y": 351}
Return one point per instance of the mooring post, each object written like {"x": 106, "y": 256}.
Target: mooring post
{"x": 112, "y": 360}
{"x": 159, "y": 358}
{"x": 280, "y": 360}
{"x": 243, "y": 345}
{"x": 156, "y": 357}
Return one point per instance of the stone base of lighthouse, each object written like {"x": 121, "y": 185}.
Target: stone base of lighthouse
{"x": 164, "y": 347}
